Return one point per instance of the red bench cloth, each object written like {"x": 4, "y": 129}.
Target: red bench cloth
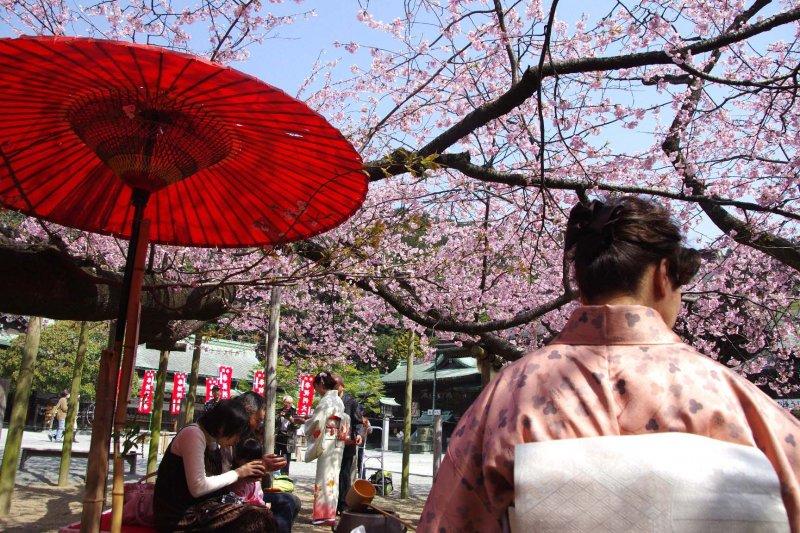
{"x": 105, "y": 525}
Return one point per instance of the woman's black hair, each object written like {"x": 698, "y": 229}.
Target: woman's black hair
{"x": 326, "y": 379}
{"x": 251, "y": 401}
{"x": 247, "y": 450}
{"x": 226, "y": 419}
{"x": 611, "y": 243}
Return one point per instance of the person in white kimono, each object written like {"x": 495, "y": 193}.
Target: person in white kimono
{"x": 325, "y": 430}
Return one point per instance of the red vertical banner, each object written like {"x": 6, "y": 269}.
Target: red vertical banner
{"x": 258, "y": 382}
{"x": 145, "y": 405}
{"x": 210, "y": 382}
{"x": 224, "y": 381}
{"x": 178, "y": 392}
{"x": 305, "y": 395}
{"x": 146, "y": 392}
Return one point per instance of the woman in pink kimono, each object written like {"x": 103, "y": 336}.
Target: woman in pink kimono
{"x": 324, "y": 428}
{"x": 616, "y": 368}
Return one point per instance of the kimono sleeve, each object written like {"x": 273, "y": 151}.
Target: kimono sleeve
{"x": 318, "y": 418}
{"x": 459, "y": 500}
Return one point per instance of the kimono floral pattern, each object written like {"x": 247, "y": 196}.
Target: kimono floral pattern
{"x": 329, "y": 419}
{"x": 613, "y": 370}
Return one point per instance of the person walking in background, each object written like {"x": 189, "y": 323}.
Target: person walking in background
{"x": 355, "y": 411}
{"x": 325, "y": 428}
{"x": 49, "y": 417}
{"x": 61, "y": 417}
{"x": 286, "y": 427}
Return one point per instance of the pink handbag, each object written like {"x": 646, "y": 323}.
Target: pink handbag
{"x": 138, "y": 506}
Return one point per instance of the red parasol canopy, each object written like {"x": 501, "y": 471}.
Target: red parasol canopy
{"x": 227, "y": 159}
{"x": 136, "y": 141}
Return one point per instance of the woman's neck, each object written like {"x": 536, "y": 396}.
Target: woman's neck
{"x": 619, "y": 299}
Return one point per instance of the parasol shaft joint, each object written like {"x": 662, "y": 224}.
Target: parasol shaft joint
{"x": 139, "y": 200}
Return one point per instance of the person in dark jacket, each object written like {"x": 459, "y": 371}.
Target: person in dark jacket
{"x": 215, "y": 399}
{"x": 286, "y": 424}
{"x": 356, "y": 412}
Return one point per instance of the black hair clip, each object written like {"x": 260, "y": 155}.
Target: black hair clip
{"x": 593, "y": 221}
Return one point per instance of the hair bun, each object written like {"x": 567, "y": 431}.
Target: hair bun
{"x": 593, "y": 224}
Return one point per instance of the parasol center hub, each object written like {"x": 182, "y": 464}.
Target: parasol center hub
{"x": 149, "y": 141}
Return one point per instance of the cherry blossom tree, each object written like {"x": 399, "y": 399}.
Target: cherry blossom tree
{"x": 481, "y": 125}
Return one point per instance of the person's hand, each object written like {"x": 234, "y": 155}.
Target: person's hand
{"x": 359, "y": 440}
{"x": 273, "y": 462}
{"x": 254, "y": 469}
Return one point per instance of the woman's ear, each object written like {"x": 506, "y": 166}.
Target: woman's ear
{"x": 662, "y": 284}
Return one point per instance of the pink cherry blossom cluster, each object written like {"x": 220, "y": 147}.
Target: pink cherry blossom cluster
{"x": 475, "y": 236}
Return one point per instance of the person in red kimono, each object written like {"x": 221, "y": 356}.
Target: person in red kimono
{"x": 616, "y": 368}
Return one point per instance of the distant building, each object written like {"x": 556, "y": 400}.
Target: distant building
{"x": 458, "y": 384}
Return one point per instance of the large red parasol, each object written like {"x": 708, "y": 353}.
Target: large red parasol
{"x": 126, "y": 140}
{"x": 227, "y": 160}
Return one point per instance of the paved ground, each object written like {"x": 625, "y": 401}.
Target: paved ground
{"x": 40, "y": 505}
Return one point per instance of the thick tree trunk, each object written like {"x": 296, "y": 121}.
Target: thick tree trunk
{"x": 72, "y": 413}
{"x": 158, "y": 410}
{"x": 407, "y": 419}
{"x": 16, "y": 426}
{"x": 41, "y": 280}
{"x": 191, "y": 398}
{"x": 270, "y": 367}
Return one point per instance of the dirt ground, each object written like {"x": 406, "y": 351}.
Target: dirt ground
{"x": 44, "y": 507}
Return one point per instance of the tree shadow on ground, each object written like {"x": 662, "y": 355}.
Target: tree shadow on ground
{"x": 29, "y": 502}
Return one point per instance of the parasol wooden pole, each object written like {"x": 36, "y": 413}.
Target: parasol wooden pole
{"x": 139, "y": 247}
{"x": 94, "y": 493}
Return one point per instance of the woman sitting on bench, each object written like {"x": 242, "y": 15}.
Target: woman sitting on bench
{"x": 186, "y": 498}
{"x": 616, "y": 368}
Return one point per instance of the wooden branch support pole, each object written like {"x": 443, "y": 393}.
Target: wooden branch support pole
{"x": 72, "y": 411}
{"x": 16, "y": 425}
{"x": 191, "y": 397}
{"x": 407, "y": 418}
{"x": 270, "y": 368}
{"x": 158, "y": 411}
{"x": 126, "y": 372}
{"x": 437, "y": 443}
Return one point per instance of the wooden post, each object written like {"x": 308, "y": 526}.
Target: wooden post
{"x": 19, "y": 411}
{"x": 437, "y": 443}
{"x": 407, "y": 418}
{"x": 4, "y": 388}
{"x": 158, "y": 411}
{"x": 191, "y": 397}
{"x": 270, "y": 367}
{"x": 125, "y": 375}
{"x": 94, "y": 493}
{"x": 72, "y": 411}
